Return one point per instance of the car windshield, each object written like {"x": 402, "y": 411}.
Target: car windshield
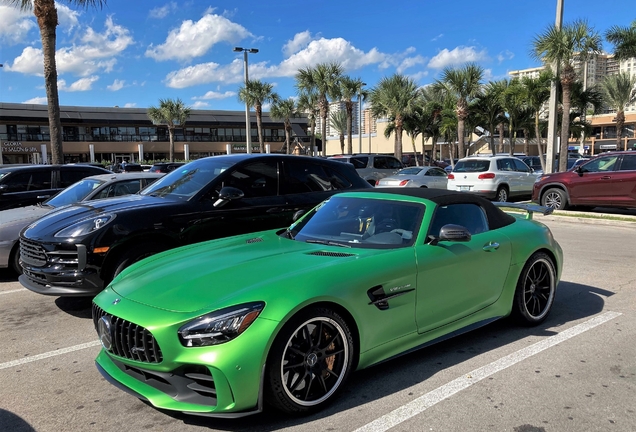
{"x": 186, "y": 181}
{"x": 472, "y": 165}
{"x": 74, "y": 193}
{"x": 410, "y": 171}
{"x": 360, "y": 223}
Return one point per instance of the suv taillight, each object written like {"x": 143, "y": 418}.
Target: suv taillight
{"x": 451, "y": 176}
{"x": 486, "y": 176}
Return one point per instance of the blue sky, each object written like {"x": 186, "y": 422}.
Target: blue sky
{"x": 132, "y": 53}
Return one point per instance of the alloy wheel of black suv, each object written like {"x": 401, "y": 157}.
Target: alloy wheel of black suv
{"x": 78, "y": 250}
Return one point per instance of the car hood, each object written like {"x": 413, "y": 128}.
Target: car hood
{"x": 23, "y": 214}
{"x": 222, "y": 272}
{"x": 65, "y": 216}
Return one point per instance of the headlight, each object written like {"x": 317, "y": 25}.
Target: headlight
{"x": 220, "y": 326}
{"x": 541, "y": 178}
{"x": 86, "y": 226}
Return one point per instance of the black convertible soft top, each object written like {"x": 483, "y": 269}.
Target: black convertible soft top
{"x": 497, "y": 218}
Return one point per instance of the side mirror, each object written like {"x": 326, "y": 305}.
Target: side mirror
{"x": 3, "y": 188}
{"x": 227, "y": 194}
{"x": 456, "y": 233}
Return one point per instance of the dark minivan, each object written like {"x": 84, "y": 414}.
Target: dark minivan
{"x": 25, "y": 185}
{"x": 78, "y": 250}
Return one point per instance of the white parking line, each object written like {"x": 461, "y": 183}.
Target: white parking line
{"x": 13, "y": 291}
{"x": 431, "y": 398}
{"x": 48, "y": 354}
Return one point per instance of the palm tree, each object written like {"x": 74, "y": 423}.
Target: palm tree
{"x": 256, "y": 93}
{"x": 624, "y": 40}
{"x": 46, "y": 14}
{"x": 349, "y": 89}
{"x": 324, "y": 80}
{"x": 394, "y": 97}
{"x": 620, "y": 91}
{"x": 432, "y": 104}
{"x": 463, "y": 85}
{"x": 513, "y": 102}
{"x": 560, "y": 46}
{"x": 340, "y": 121}
{"x": 537, "y": 92}
{"x": 171, "y": 112}
{"x": 284, "y": 110}
{"x": 489, "y": 111}
{"x": 308, "y": 103}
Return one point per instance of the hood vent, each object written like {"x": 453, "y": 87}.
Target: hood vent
{"x": 332, "y": 254}
{"x": 254, "y": 240}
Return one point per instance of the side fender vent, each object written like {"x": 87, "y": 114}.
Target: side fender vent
{"x": 332, "y": 254}
{"x": 254, "y": 240}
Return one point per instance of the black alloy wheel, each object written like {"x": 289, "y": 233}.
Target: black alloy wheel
{"x": 535, "y": 291}
{"x": 309, "y": 362}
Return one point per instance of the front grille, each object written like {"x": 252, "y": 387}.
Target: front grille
{"x": 32, "y": 253}
{"x": 129, "y": 340}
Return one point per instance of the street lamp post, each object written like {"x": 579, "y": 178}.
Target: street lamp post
{"x": 360, "y": 118}
{"x": 553, "y": 106}
{"x": 248, "y": 132}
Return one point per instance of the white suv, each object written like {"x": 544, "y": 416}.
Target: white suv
{"x": 496, "y": 177}
{"x": 372, "y": 167}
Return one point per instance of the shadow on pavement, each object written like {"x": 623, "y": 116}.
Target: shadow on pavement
{"x": 573, "y": 302}
{"x": 14, "y": 423}
{"x": 79, "y": 307}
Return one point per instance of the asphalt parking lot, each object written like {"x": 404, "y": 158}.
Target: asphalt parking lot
{"x": 576, "y": 372}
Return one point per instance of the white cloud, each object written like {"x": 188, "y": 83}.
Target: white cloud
{"x": 457, "y": 56}
{"x": 418, "y": 75}
{"x": 42, "y": 100}
{"x": 439, "y": 36}
{"x": 116, "y": 85}
{"x": 130, "y": 105}
{"x": 163, "y": 11}
{"x": 82, "y": 84}
{"x": 505, "y": 55}
{"x": 215, "y": 95}
{"x": 410, "y": 62}
{"x": 67, "y": 18}
{"x": 299, "y": 42}
{"x": 14, "y": 25}
{"x": 97, "y": 52}
{"x": 200, "y": 104}
{"x": 194, "y": 39}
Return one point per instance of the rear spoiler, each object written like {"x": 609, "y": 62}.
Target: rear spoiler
{"x": 529, "y": 208}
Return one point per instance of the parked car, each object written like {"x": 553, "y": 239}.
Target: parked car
{"x": 165, "y": 167}
{"x": 533, "y": 162}
{"x": 496, "y": 177}
{"x": 206, "y": 199}
{"x": 12, "y": 221}
{"x": 371, "y": 167}
{"x": 126, "y": 167}
{"x": 409, "y": 160}
{"x": 360, "y": 279}
{"x": 26, "y": 185}
{"x": 608, "y": 180}
{"x": 426, "y": 177}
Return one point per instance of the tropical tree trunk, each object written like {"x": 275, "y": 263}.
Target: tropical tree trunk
{"x": 46, "y": 14}
{"x": 324, "y": 112}
{"x": 417, "y": 162}
{"x": 424, "y": 153}
{"x": 342, "y": 144}
{"x": 539, "y": 145}
{"x": 501, "y": 138}
{"x": 568, "y": 76}
{"x": 526, "y": 143}
{"x": 512, "y": 140}
{"x": 312, "y": 139}
{"x": 620, "y": 124}
{"x": 399, "y": 127}
{"x": 259, "y": 126}
{"x": 461, "y": 124}
{"x": 171, "y": 135}
{"x": 349, "y": 107}
{"x": 492, "y": 144}
{"x": 288, "y": 138}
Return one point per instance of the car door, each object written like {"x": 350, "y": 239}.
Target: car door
{"x": 625, "y": 184}
{"x": 456, "y": 279}
{"x": 261, "y": 208}
{"x": 26, "y": 187}
{"x": 510, "y": 175}
{"x": 525, "y": 176}
{"x": 594, "y": 182}
{"x": 439, "y": 178}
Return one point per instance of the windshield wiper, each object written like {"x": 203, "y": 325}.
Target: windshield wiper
{"x": 328, "y": 243}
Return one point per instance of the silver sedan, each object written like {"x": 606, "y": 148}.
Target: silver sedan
{"x": 417, "y": 176}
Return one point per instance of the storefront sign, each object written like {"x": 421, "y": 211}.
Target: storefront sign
{"x": 242, "y": 147}
{"x": 16, "y": 147}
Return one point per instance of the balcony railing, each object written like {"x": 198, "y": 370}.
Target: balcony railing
{"x": 134, "y": 138}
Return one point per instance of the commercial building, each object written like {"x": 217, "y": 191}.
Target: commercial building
{"x": 117, "y": 134}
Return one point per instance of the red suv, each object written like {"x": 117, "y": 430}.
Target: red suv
{"x": 608, "y": 180}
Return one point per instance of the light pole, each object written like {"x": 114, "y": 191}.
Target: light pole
{"x": 248, "y": 132}
{"x": 553, "y": 105}
{"x": 360, "y": 118}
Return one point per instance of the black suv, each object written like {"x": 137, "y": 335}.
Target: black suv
{"x": 78, "y": 250}
{"x": 26, "y": 185}
{"x": 165, "y": 167}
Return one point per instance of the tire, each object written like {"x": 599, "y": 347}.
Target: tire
{"x": 131, "y": 256}
{"x": 554, "y": 198}
{"x": 301, "y": 377}
{"x": 14, "y": 259}
{"x": 502, "y": 194}
{"x": 535, "y": 290}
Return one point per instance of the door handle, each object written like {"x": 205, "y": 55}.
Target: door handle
{"x": 492, "y": 246}
{"x": 43, "y": 196}
{"x": 606, "y": 177}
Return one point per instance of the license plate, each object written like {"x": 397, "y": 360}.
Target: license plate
{"x": 464, "y": 188}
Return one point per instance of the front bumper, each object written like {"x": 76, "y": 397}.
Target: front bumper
{"x": 224, "y": 380}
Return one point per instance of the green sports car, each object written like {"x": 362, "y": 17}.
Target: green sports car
{"x": 283, "y": 317}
